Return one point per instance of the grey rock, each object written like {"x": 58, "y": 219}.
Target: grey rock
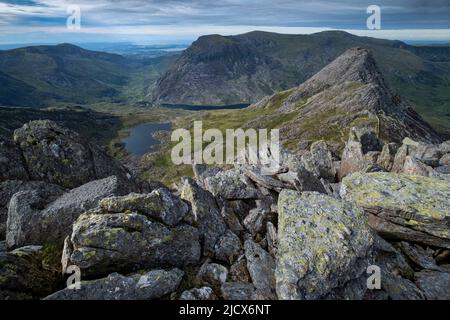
{"x": 302, "y": 180}
{"x": 255, "y": 222}
{"x": 212, "y": 274}
{"x": 104, "y": 242}
{"x": 11, "y": 161}
{"x": 231, "y": 219}
{"x": 323, "y": 245}
{"x": 231, "y": 185}
{"x": 445, "y": 160}
{"x": 151, "y": 285}
{"x": 320, "y": 161}
{"x": 237, "y": 291}
{"x": 228, "y": 248}
{"x": 435, "y": 285}
{"x": 24, "y": 275}
{"x": 24, "y": 225}
{"x": 57, "y": 155}
{"x": 403, "y": 207}
{"x": 271, "y": 238}
{"x": 352, "y": 159}
{"x": 239, "y": 271}
{"x": 386, "y": 158}
{"x": 428, "y": 154}
{"x": 261, "y": 267}
{"x": 205, "y": 214}
{"x": 203, "y": 293}
{"x": 161, "y": 205}
{"x": 264, "y": 180}
{"x": 423, "y": 258}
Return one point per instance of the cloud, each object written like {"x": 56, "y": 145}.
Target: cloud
{"x": 175, "y": 17}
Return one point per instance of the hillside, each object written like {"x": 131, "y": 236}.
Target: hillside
{"x": 40, "y": 76}
{"x": 350, "y": 91}
{"x": 218, "y": 70}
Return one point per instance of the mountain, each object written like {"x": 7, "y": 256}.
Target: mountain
{"x": 218, "y": 70}
{"x": 349, "y": 92}
{"x": 40, "y": 76}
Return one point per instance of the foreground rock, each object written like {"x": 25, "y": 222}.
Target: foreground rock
{"x": 324, "y": 247}
{"x": 411, "y": 208}
{"x": 151, "y": 285}
{"x": 11, "y": 162}
{"x": 102, "y": 243}
{"x": 58, "y": 155}
{"x": 54, "y": 221}
{"x": 205, "y": 214}
{"x": 24, "y": 274}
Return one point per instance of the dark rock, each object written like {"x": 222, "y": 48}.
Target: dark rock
{"x": 213, "y": 274}
{"x": 228, "y": 248}
{"x": 319, "y": 161}
{"x": 434, "y": 284}
{"x": 203, "y": 293}
{"x": 386, "y": 158}
{"x": 239, "y": 271}
{"x": 57, "y": 155}
{"x": 205, "y": 214}
{"x": 151, "y": 285}
{"x": 11, "y": 161}
{"x": 237, "y": 291}
{"x": 231, "y": 185}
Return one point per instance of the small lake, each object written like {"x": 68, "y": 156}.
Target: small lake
{"x": 140, "y": 140}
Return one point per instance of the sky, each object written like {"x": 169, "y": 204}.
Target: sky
{"x": 182, "y": 21}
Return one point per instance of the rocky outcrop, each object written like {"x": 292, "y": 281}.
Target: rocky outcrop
{"x": 151, "y": 285}
{"x": 11, "y": 162}
{"x": 324, "y": 245}
{"x": 411, "y": 208}
{"x": 60, "y": 156}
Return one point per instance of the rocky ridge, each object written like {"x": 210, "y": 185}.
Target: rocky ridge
{"x": 308, "y": 231}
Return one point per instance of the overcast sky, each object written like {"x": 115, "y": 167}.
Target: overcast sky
{"x": 180, "y": 21}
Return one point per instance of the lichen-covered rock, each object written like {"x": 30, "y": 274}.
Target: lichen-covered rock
{"x": 319, "y": 161}
{"x": 151, "y": 285}
{"x": 411, "y": 208}
{"x": 24, "y": 224}
{"x": 7, "y": 190}
{"x": 261, "y": 267}
{"x": 387, "y": 155}
{"x": 239, "y": 272}
{"x": 103, "y": 243}
{"x": 228, "y": 248}
{"x": 324, "y": 244}
{"x": 58, "y": 155}
{"x": 203, "y": 293}
{"x": 25, "y": 275}
{"x": 231, "y": 184}
{"x": 237, "y": 291}
{"x": 435, "y": 285}
{"x": 54, "y": 222}
{"x": 161, "y": 205}
{"x": 205, "y": 214}
{"x": 212, "y": 274}
{"x": 11, "y": 161}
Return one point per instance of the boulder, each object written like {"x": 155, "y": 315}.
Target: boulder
{"x": 387, "y": 155}
{"x": 160, "y": 205}
{"x": 203, "y": 293}
{"x": 205, "y": 214}
{"x": 324, "y": 246}
{"x": 228, "y": 248}
{"x": 24, "y": 224}
{"x": 352, "y": 159}
{"x": 54, "y": 222}
{"x": 24, "y": 274}
{"x": 411, "y": 208}
{"x": 261, "y": 267}
{"x": 58, "y": 155}
{"x": 434, "y": 284}
{"x": 124, "y": 242}
{"x": 239, "y": 272}
{"x": 12, "y": 165}
{"x": 151, "y": 285}
{"x": 445, "y": 160}
{"x": 302, "y": 180}
{"x": 237, "y": 291}
{"x": 231, "y": 185}
{"x": 212, "y": 274}
{"x": 319, "y": 161}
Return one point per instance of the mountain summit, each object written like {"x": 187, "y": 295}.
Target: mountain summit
{"x": 350, "y": 91}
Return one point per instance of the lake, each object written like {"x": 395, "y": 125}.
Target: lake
{"x": 140, "y": 140}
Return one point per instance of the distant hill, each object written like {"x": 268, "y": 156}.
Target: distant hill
{"x": 219, "y": 70}
{"x": 40, "y": 76}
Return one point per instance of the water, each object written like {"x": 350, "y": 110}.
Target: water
{"x": 200, "y": 108}
{"x": 140, "y": 140}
